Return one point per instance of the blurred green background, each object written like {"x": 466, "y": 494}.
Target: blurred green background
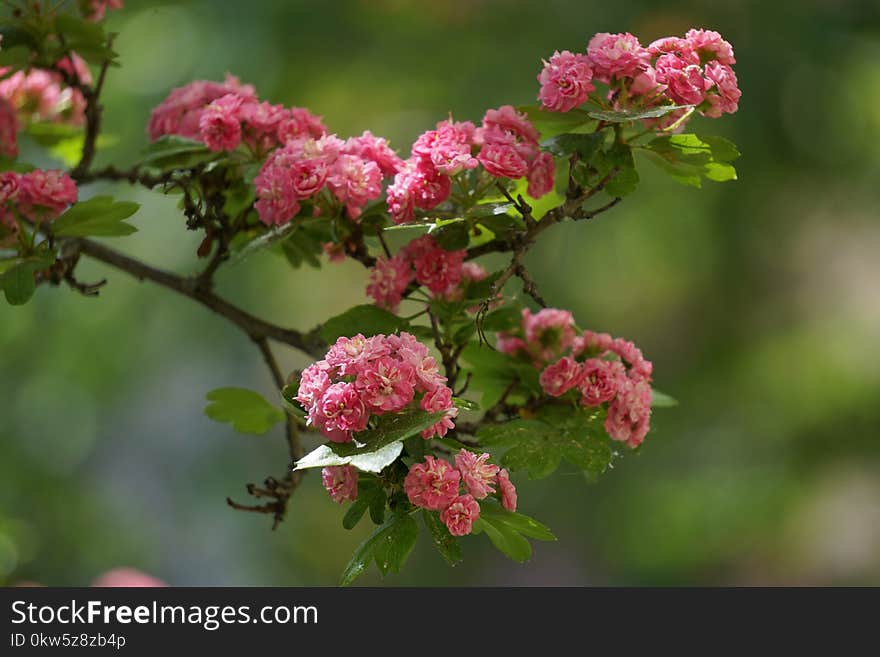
{"x": 758, "y": 302}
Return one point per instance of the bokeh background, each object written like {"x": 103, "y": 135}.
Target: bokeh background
{"x": 758, "y": 301}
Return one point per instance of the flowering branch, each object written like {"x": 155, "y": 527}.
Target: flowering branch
{"x": 254, "y": 176}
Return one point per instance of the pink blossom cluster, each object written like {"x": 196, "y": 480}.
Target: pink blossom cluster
{"x": 690, "y": 70}
{"x": 352, "y": 171}
{"x": 39, "y": 196}
{"x": 94, "y": 10}
{"x": 436, "y": 485}
{"x": 506, "y": 145}
{"x": 361, "y": 378}
{"x": 423, "y": 260}
{"x": 603, "y": 371}
{"x": 229, "y": 113}
{"x": 39, "y": 95}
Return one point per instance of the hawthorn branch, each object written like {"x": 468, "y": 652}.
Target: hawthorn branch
{"x": 256, "y": 328}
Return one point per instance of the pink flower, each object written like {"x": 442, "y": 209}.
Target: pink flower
{"x": 276, "y": 196}
{"x": 386, "y": 384}
{"x": 510, "y": 344}
{"x": 355, "y": 182}
{"x": 561, "y": 376}
{"x": 506, "y": 121}
{"x": 8, "y": 130}
{"x": 592, "y": 342}
{"x": 432, "y": 484}
{"x": 439, "y": 399}
{"x": 417, "y": 185}
{"x": 43, "y": 195}
{"x": 312, "y": 384}
{"x": 639, "y": 367}
{"x": 684, "y": 82}
{"x": 369, "y": 147}
{"x": 350, "y": 355}
{"x": 565, "y": 81}
{"x": 709, "y": 45}
{"x": 541, "y": 175}
{"x": 127, "y": 578}
{"x": 389, "y": 279}
{"x": 629, "y": 414}
{"x": 477, "y": 474}
{"x": 94, "y": 10}
{"x": 10, "y": 181}
{"x": 615, "y": 56}
{"x": 601, "y": 381}
{"x": 459, "y": 516}
{"x": 503, "y": 160}
{"x": 645, "y": 84}
{"x": 448, "y": 148}
{"x": 260, "y": 125}
{"x": 341, "y": 482}
{"x": 682, "y": 48}
{"x": 307, "y": 176}
{"x": 341, "y": 411}
{"x": 726, "y": 100}
{"x": 507, "y": 490}
{"x": 436, "y": 268}
{"x": 473, "y": 272}
{"x": 299, "y": 122}
{"x": 181, "y": 111}
{"x": 548, "y": 331}
{"x": 219, "y": 123}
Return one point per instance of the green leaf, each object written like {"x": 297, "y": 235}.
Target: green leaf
{"x": 171, "y": 152}
{"x": 446, "y": 543}
{"x": 503, "y": 319}
{"x": 246, "y": 410}
{"x": 356, "y": 511}
{"x": 17, "y": 281}
{"x": 390, "y": 428}
{"x": 374, "y": 449}
{"x": 635, "y": 115}
{"x": 377, "y": 506}
{"x": 389, "y": 546}
{"x": 323, "y": 456}
{"x": 366, "y": 319}
{"x": 522, "y": 523}
{"x": 100, "y": 216}
{"x": 626, "y": 179}
{"x": 689, "y": 158}
{"x": 16, "y": 57}
{"x": 465, "y": 404}
{"x": 537, "y": 446}
{"x": 662, "y": 400}
{"x": 550, "y": 124}
{"x": 505, "y": 538}
{"x": 567, "y": 144}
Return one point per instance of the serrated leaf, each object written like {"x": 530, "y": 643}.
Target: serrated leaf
{"x": 505, "y": 538}
{"x": 246, "y": 410}
{"x": 503, "y": 319}
{"x": 446, "y": 544}
{"x": 366, "y": 319}
{"x": 356, "y": 511}
{"x": 323, "y": 456}
{"x": 389, "y": 546}
{"x": 554, "y": 123}
{"x": 635, "y": 115}
{"x": 539, "y": 458}
{"x": 99, "y": 216}
{"x": 171, "y": 152}
{"x": 522, "y": 523}
{"x": 582, "y": 144}
{"x": 390, "y": 428}
{"x": 513, "y": 432}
